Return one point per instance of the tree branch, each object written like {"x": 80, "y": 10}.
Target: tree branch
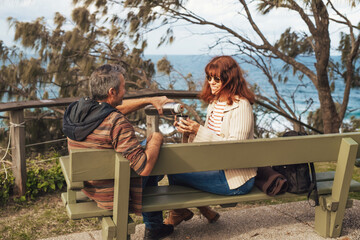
{"x": 267, "y": 72}
{"x": 194, "y": 19}
{"x": 268, "y": 46}
{"x": 347, "y": 22}
{"x": 349, "y": 76}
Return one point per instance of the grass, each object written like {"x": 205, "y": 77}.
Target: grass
{"x": 46, "y": 216}
{"x": 323, "y": 167}
{"x": 43, "y": 218}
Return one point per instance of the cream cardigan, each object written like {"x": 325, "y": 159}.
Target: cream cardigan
{"x": 238, "y": 124}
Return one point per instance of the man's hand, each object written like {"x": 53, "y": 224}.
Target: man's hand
{"x": 158, "y": 103}
{"x": 131, "y": 105}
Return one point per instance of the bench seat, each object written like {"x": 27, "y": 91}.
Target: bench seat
{"x": 182, "y": 197}
{"x": 153, "y": 198}
{"x": 172, "y": 197}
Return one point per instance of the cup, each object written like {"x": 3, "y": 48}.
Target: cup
{"x": 180, "y": 117}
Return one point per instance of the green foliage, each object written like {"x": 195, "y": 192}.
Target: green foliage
{"x": 7, "y": 184}
{"x": 314, "y": 119}
{"x": 41, "y": 178}
{"x": 81, "y": 17}
{"x": 294, "y": 44}
{"x": 42, "y": 125}
{"x": 30, "y": 34}
{"x": 352, "y": 126}
{"x": 64, "y": 58}
{"x": 51, "y": 129}
{"x": 164, "y": 66}
{"x": 345, "y": 49}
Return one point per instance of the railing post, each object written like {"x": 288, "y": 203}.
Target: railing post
{"x": 152, "y": 124}
{"x": 17, "y": 130}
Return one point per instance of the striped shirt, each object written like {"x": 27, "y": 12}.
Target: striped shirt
{"x": 216, "y": 117}
{"x": 237, "y": 124}
{"x": 115, "y": 132}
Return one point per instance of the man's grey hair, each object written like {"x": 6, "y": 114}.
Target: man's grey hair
{"x": 104, "y": 78}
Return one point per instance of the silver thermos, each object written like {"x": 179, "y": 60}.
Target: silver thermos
{"x": 168, "y": 109}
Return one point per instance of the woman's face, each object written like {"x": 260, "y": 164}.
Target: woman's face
{"x": 215, "y": 84}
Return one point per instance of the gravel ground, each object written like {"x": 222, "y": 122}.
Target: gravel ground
{"x": 284, "y": 221}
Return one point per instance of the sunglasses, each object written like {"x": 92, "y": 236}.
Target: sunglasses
{"x": 216, "y": 79}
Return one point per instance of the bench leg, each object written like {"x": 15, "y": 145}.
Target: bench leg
{"x": 108, "y": 228}
{"x": 71, "y": 197}
{"x": 322, "y": 221}
{"x": 330, "y": 214}
{"x": 121, "y": 197}
{"x": 68, "y": 197}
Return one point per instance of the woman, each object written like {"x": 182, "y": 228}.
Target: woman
{"x": 229, "y": 117}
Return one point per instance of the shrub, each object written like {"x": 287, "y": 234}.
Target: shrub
{"x": 7, "y": 184}
{"x": 41, "y": 178}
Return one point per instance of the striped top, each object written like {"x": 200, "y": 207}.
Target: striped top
{"x": 237, "y": 124}
{"x": 216, "y": 117}
{"x": 117, "y": 133}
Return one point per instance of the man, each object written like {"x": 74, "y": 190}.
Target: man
{"x": 99, "y": 122}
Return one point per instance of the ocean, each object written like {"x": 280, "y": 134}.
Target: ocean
{"x": 297, "y": 93}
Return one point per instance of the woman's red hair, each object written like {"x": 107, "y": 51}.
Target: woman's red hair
{"x": 234, "y": 84}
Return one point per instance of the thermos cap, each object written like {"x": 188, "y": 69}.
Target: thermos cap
{"x": 168, "y": 109}
{"x": 178, "y": 108}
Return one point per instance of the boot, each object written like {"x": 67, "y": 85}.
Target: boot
{"x": 158, "y": 233}
{"x": 176, "y": 216}
{"x": 210, "y": 215}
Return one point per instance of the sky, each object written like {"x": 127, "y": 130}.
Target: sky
{"x": 190, "y": 40}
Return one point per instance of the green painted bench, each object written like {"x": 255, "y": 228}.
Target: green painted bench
{"x": 333, "y": 187}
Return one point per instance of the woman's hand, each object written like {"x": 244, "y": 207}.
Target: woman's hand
{"x": 187, "y": 126}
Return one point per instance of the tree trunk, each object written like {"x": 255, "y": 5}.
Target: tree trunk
{"x": 330, "y": 117}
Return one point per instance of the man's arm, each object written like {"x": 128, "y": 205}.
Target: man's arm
{"x": 131, "y": 105}
{"x": 152, "y": 151}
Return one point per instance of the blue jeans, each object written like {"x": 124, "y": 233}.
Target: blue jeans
{"x": 210, "y": 181}
{"x": 152, "y": 220}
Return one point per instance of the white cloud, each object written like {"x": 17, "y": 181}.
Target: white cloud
{"x": 20, "y": 3}
{"x": 29, "y": 10}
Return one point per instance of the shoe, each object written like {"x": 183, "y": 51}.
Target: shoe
{"x": 158, "y": 233}
{"x": 178, "y": 215}
{"x": 210, "y": 215}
